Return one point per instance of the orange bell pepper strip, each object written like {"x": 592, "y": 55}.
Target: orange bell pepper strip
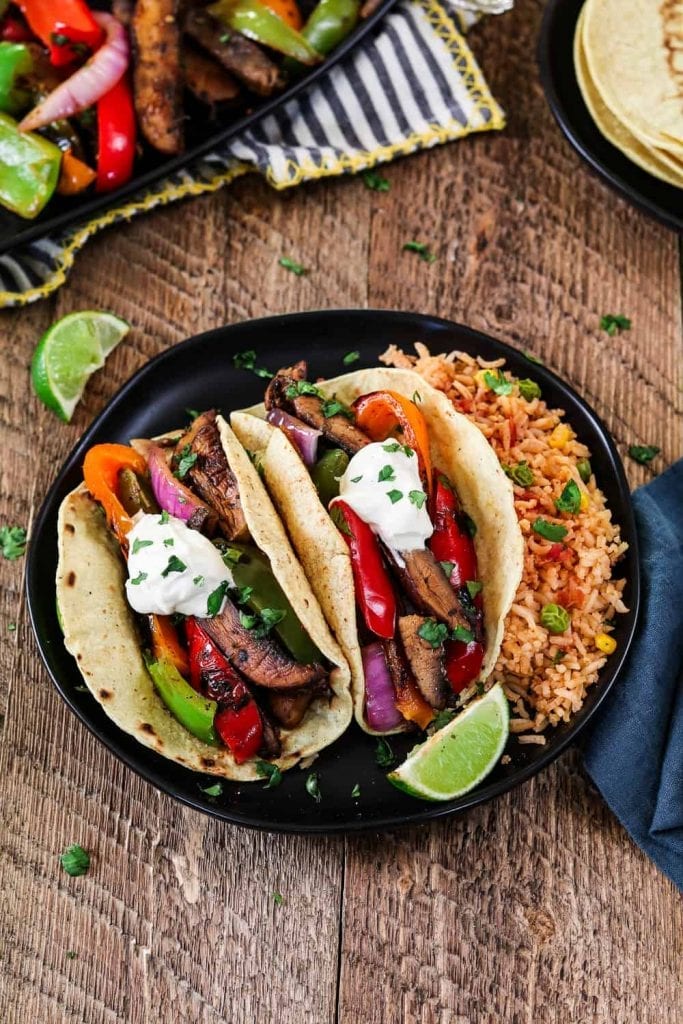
{"x": 166, "y": 645}
{"x": 74, "y": 175}
{"x": 412, "y": 704}
{"x": 288, "y": 11}
{"x": 383, "y": 414}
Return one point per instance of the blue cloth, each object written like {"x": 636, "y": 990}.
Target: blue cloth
{"x": 634, "y": 753}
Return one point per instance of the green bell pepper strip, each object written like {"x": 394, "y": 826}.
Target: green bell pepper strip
{"x": 253, "y": 570}
{"x": 327, "y": 472}
{"x": 194, "y": 712}
{"x": 256, "y": 21}
{"x": 330, "y": 22}
{"x": 29, "y": 169}
{"x": 15, "y": 61}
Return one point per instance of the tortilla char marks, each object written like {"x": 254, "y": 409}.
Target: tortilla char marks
{"x": 106, "y": 695}
{"x": 71, "y": 579}
{"x": 207, "y": 762}
{"x": 69, "y": 528}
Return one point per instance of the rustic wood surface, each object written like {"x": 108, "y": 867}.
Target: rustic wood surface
{"x": 537, "y": 908}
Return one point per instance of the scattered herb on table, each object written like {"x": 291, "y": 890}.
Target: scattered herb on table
{"x": 11, "y": 627}
{"x": 643, "y": 453}
{"x": 549, "y": 531}
{"x": 384, "y": 755}
{"x": 247, "y": 361}
{"x": 614, "y": 323}
{"x": 375, "y": 182}
{"x": 351, "y": 357}
{"x": 269, "y": 771}
{"x": 422, "y": 250}
{"x": 278, "y": 899}
{"x": 355, "y": 792}
{"x": 75, "y": 860}
{"x": 313, "y": 786}
{"x": 71, "y": 954}
{"x": 215, "y": 790}
{"x": 532, "y": 358}
{"x": 293, "y": 266}
{"x": 12, "y": 542}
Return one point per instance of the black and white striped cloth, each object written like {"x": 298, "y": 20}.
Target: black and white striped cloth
{"x": 413, "y": 84}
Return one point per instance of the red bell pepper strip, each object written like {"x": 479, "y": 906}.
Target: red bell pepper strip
{"x": 383, "y": 414}
{"x": 116, "y": 137}
{"x": 238, "y": 720}
{"x": 374, "y": 591}
{"x": 14, "y": 31}
{"x": 462, "y": 662}
{"x": 64, "y": 26}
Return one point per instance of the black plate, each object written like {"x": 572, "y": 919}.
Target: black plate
{"x": 555, "y": 54}
{"x": 203, "y": 135}
{"x": 198, "y": 374}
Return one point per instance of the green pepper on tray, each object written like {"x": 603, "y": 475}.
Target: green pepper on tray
{"x": 15, "y": 61}
{"x": 327, "y": 472}
{"x": 253, "y": 571}
{"x": 29, "y": 169}
{"x": 194, "y": 712}
{"x": 330, "y": 22}
{"x": 256, "y": 21}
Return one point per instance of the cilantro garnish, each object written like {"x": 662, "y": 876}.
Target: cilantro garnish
{"x": 351, "y": 357}
{"x": 164, "y": 518}
{"x": 278, "y": 899}
{"x": 550, "y": 531}
{"x": 528, "y": 389}
{"x": 140, "y": 578}
{"x": 138, "y": 545}
{"x": 466, "y": 636}
{"x": 614, "y": 323}
{"x": 215, "y": 790}
{"x": 642, "y": 453}
{"x": 384, "y": 755}
{"x": 532, "y": 358}
{"x": 339, "y": 520}
{"x": 75, "y": 860}
{"x": 375, "y": 182}
{"x": 12, "y": 542}
{"x": 395, "y": 446}
{"x": 355, "y": 792}
{"x": 302, "y": 387}
{"x": 197, "y": 580}
{"x": 441, "y": 719}
{"x": 215, "y": 598}
{"x": 448, "y": 568}
{"x": 243, "y": 594}
{"x": 356, "y": 479}
{"x": 169, "y": 542}
{"x": 417, "y": 498}
{"x": 333, "y": 407}
{"x": 296, "y": 268}
{"x": 422, "y": 250}
{"x": 71, "y": 954}
{"x": 394, "y": 496}
{"x": 313, "y": 786}
{"x": 261, "y": 623}
{"x": 269, "y": 771}
{"x": 433, "y": 632}
{"x": 473, "y": 587}
{"x": 520, "y": 474}
{"x": 174, "y": 565}
{"x": 468, "y": 524}
{"x": 11, "y": 627}
{"x": 386, "y": 473}
{"x": 247, "y": 361}
{"x": 570, "y": 499}
{"x": 498, "y": 382}
{"x": 185, "y": 462}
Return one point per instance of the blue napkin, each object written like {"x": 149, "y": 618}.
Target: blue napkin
{"x": 634, "y": 753}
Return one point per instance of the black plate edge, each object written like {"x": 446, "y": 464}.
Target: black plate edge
{"x": 99, "y": 204}
{"x": 433, "y": 812}
{"x": 612, "y": 177}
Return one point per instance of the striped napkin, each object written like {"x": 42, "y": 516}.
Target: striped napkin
{"x": 411, "y": 85}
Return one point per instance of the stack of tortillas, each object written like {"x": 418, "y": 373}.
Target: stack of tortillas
{"x": 628, "y": 56}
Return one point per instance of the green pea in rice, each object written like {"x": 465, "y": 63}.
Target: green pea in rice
{"x": 545, "y": 676}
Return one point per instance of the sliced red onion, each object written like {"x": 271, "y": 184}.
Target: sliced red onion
{"x": 381, "y": 712}
{"x": 174, "y": 497}
{"x": 89, "y": 84}
{"x": 303, "y": 437}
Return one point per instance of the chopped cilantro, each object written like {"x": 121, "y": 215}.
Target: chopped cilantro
{"x": 417, "y": 498}
{"x": 12, "y": 542}
{"x": 339, "y": 520}
{"x": 138, "y": 545}
{"x": 192, "y": 413}
{"x": 550, "y": 531}
{"x": 164, "y": 518}
{"x": 269, "y": 771}
{"x": 614, "y": 323}
{"x": 642, "y": 453}
{"x": 528, "y": 389}
{"x": 433, "y": 632}
{"x": 422, "y": 250}
{"x": 262, "y": 622}
{"x": 395, "y": 446}
{"x": 215, "y": 790}
{"x": 441, "y": 719}
{"x": 558, "y": 656}
{"x": 333, "y": 407}
{"x": 302, "y": 387}
{"x": 351, "y": 357}
{"x": 169, "y": 542}
{"x": 355, "y": 792}
{"x": 296, "y": 268}
{"x": 473, "y": 587}
{"x": 75, "y": 860}
{"x": 71, "y": 954}
{"x": 231, "y": 556}
{"x": 313, "y": 786}
{"x": 356, "y": 479}
{"x": 448, "y": 568}
{"x": 278, "y": 899}
{"x": 394, "y": 496}
{"x": 386, "y": 473}
{"x": 498, "y": 382}
{"x": 247, "y": 361}
{"x": 481, "y": 689}
{"x": 384, "y": 755}
{"x": 140, "y": 578}
{"x": 570, "y": 499}
{"x": 185, "y": 462}
{"x": 532, "y": 358}
{"x": 243, "y": 594}
{"x": 375, "y": 182}
{"x": 520, "y": 474}
{"x": 466, "y": 636}
{"x": 174, "y": 565}
{"x": 11, "y": 627}
{"x": 198, "y": 580}
{"x": 215, "y": 598}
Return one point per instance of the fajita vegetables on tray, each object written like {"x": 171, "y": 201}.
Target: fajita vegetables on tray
{"x": 190, "y": 619}
{"x": 83, "y": 91}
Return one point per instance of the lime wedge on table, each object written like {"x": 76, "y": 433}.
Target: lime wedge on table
{"x": 457, "y": 757}
{"x": 69, "y": 352}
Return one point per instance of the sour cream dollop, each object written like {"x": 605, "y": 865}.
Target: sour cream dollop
{"x": 172, "y": 568}
{"x": 382, "y": 485}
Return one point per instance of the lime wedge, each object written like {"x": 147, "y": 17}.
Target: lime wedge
{"x": 69, "y": 352}
{"x": 457, "y": 757}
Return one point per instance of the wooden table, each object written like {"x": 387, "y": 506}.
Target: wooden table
{"x": 537, "y": 908}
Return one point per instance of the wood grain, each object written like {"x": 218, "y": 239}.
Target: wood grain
{"x": 537, "y": 908}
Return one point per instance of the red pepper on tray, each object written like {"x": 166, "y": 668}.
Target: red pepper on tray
{"x": 374, "y": 591}
{"x": 64, "y": 26}
{"x": 116, "y": 137}
{"x": 238, "y": 720}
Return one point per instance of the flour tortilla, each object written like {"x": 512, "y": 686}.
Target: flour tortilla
{"x": 100, "y": 631}
{"x": 458, "y": 448}
{"x": 661, "y": 164}
{"x": 634, "y": 53}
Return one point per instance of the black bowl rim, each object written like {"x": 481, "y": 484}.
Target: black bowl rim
{"x": 100, "y": 204}
{"x": 613, "y": 177}
{"x": 481, "y": 794}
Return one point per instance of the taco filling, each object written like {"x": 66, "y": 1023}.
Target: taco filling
{"x": 228, "y": 655}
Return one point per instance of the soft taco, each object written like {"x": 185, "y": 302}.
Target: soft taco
{"x": 189, "y": 616}
{"x": 405, "y": 525}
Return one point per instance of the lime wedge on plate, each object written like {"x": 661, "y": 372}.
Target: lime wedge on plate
{"x": 457, "y": 757}
{"x": 69, "y": 352}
